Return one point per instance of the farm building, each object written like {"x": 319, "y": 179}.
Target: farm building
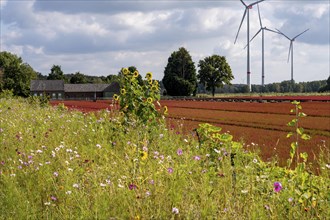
{"x": 57, "y": 89}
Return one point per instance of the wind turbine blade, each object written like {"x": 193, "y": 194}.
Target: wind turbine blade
{"x": 240, "y": 26}
{"x": 255, "y": 3}
{"x": 283, "y": 34}
{"x": 267, "y": 29}
{"x": 243, "y": 3}
{"x": 259, "y": 16}
{"x": 256, "y": 34}
{"x": 300, "y": 34}
{"x": 290, "y": 51}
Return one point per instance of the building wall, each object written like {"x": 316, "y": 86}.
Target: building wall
{"x": 83, "y": 95}
{"x": 50, "y": 94}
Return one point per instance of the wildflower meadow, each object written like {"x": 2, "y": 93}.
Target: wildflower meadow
{"x": 127, "y": 163}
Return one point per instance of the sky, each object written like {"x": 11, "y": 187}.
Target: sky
{"x": 99, "y": 37}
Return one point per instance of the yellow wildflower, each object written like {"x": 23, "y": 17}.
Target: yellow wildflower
{"x": 149, "y": 100}
{"x": 125, "y": 71}
{"x": 116, "y": 97}
{"x": 154, "y": 88}
{"x": 144, "y": 155}
{"x": 123, "y": 91}
{"x": 165, "y": 110}
{"x": 149, "y": 75}
{"x": 136, "y": 73}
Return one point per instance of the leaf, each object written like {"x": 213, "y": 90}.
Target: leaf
{"x": 306, "y": 195}
{"x": 293, "y": 149}
{"x": 226, "y": 137}
{"x": 297, "y": 191}
{"x": 294, "y": 145}
{"x": 292, "y": 110}
{"x": 299, "y": 107}
{"x": 295, "y": 102}
{"x": 292, "y": 122}
{"x": 301, "y": 114}
{"x": 305, "y": 137}
{"x": 304, "y": 156}
{"x": 289, "y": 134}
{"x": 300, "y": 131}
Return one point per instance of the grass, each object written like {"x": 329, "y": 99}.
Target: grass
{"x": 59, "y": 164}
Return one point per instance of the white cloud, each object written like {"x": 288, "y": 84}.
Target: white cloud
{"x": 98, "y": 38}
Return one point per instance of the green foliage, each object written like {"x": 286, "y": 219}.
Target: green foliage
{"x": 138, "y": 101}
{"x": 42, "y": 101}
{"x": 180, "y": 74}
{"x": 213, "y": 72}
{"x": 58, "y": 164}
{"x": 298, "y": 132}
{"x": 6, "y": 94}
{"x": 56, "y": 73}
{"x": 326, "y": 88}
{"x": 16, "y": 74}
{"x": 78, "y": 78}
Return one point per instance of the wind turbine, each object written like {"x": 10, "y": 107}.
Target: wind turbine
{"x": 246, "y": 12}
{"x": 262, "y": 30}
{"x": 291, "y": 49}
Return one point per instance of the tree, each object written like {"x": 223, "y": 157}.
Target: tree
{"x": 16, "y": 75}
{"x": 326, "y": 87}
{"x": 78, "y": 78}
{"x": 214, "y": 71}
{"x": 56, "y": 73}
{"x": 180, "y": 74}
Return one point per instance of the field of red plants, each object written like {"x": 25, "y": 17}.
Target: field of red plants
{"x": 259, "y": 125}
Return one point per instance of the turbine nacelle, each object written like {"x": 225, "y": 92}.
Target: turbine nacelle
{"x": 247, "y": 8}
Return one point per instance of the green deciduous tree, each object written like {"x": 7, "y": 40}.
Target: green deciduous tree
{"x": 180, "y": 74}
{"x": 78, "y": 78}
{"x": 16, "y": 75}
{"x": 214, "y": 71}
{"x": 326, "y": 87}
{"x": 56, "y": 73}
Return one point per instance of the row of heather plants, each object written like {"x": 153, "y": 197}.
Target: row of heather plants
{"x": 128, "y": 163}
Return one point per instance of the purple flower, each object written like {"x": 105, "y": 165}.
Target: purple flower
{"x": 175, "y": 210}
{"x": 179, "y": 152}
{"x": 170, "y": 170}
{"x": 197, "y": 157}
{"x": 55, "y": 174}
{"x": 132, "y": 186}
{"x": 277, "y": 186}
{"x": 53, "y": 198}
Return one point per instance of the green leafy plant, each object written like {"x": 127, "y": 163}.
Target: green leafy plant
{"x": 138, "y": 101}
{"x": 6, "y": 94}
{"x": 298, "y": 133}
{"x": 42, "y": 101}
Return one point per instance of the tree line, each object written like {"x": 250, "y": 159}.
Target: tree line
{"x": 180, "y": 77}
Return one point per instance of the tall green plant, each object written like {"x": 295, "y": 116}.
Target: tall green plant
{"x": 138, "y": 101}
{"x": 298, "y": 133}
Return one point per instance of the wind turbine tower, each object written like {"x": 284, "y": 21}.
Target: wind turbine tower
{"x": 291, "y": 49}
{"x": 262, "y": 30}
{"x": 246, "y": 12}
